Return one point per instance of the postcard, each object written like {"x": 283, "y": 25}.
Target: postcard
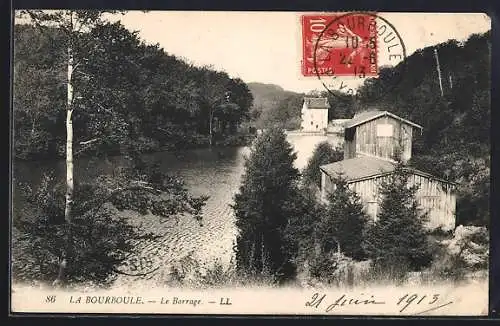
{"x": 244, "y": 162}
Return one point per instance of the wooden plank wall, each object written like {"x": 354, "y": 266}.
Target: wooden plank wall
{"x": 368, "y": 143}
{"x": 434, "y": 197}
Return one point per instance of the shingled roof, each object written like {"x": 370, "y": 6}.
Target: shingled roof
{"x": 316, "y": 102}
{"x": 358, "y": 168}
{"x": 366, "y": 116}
{"x": 364, "y": 167}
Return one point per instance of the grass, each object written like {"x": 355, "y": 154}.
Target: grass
{"x": 189, "y": 273}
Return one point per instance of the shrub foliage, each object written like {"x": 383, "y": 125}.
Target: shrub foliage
{"x": 398, "y": 236}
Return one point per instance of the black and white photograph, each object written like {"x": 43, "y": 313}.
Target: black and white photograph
{"x": 244, "y": 162}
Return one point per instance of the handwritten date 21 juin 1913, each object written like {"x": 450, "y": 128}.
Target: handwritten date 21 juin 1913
{"x": 417, "y": 303}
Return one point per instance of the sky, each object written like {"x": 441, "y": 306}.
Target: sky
{"x": 266, "y": 46}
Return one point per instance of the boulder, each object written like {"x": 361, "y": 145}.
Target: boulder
{"x": 471, "y": 244}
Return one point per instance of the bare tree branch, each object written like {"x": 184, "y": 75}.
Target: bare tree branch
{"x": 87, "y": 142}
{"x": 139, "y": 185}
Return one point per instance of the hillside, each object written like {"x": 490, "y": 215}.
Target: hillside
{"x": 267, "y": 95}
{"x": 274, "y": 105}
{"x": 455, "y": 143}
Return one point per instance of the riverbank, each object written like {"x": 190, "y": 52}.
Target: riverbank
{"x": 146, "y": 147}
{"x": 205, "y": 173}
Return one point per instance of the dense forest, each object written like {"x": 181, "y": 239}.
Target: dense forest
{"x": 455, "y": 142}
{"x": 130, "y": 94}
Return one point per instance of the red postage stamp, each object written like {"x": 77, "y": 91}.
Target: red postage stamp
{"x": 339, "y": 44}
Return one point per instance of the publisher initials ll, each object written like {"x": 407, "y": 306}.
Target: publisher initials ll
{"x": 225, "y": 301}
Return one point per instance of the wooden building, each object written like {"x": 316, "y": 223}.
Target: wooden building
{"x": 378, "y": 134}
{"x": 371, "y": 139}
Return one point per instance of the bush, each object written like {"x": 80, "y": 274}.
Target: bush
{"x": 36, "y": 145}
{"x": 324, "y": 153}
{"x": 398, "y": 237}
{"x": 98, "y": 238}
{"x": 219, "y": 276}
{"x": 190, "y": 272}
{"x": 304, "y": 211}
{"x": 473, "y": 200}
{"x": 446, "y": 266}
{"x": 236, "y": 140}
{"x": 343, "y": 222}
{"x": 332, "y": 269}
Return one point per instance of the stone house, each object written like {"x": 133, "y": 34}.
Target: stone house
{"x": 314, "y": 114}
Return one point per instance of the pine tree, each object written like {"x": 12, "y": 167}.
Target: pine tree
{"x": 343, "y": 223}
{"x": 304, "y": 211}
{"x": 398, "y": 238}
{"x": 324, "y": 153}
{"x": 262, "y": 207}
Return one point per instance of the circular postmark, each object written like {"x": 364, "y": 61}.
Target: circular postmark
{"x": 354, "y": 47}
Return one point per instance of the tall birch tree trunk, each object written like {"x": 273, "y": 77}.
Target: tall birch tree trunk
{"x": 69, "y": 165}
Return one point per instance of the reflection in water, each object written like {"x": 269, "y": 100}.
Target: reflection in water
{"x": 216, "y": 173}
{"x": 304, "y": 145}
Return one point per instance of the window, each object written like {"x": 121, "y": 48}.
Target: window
{"x": 384, "y": 130}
